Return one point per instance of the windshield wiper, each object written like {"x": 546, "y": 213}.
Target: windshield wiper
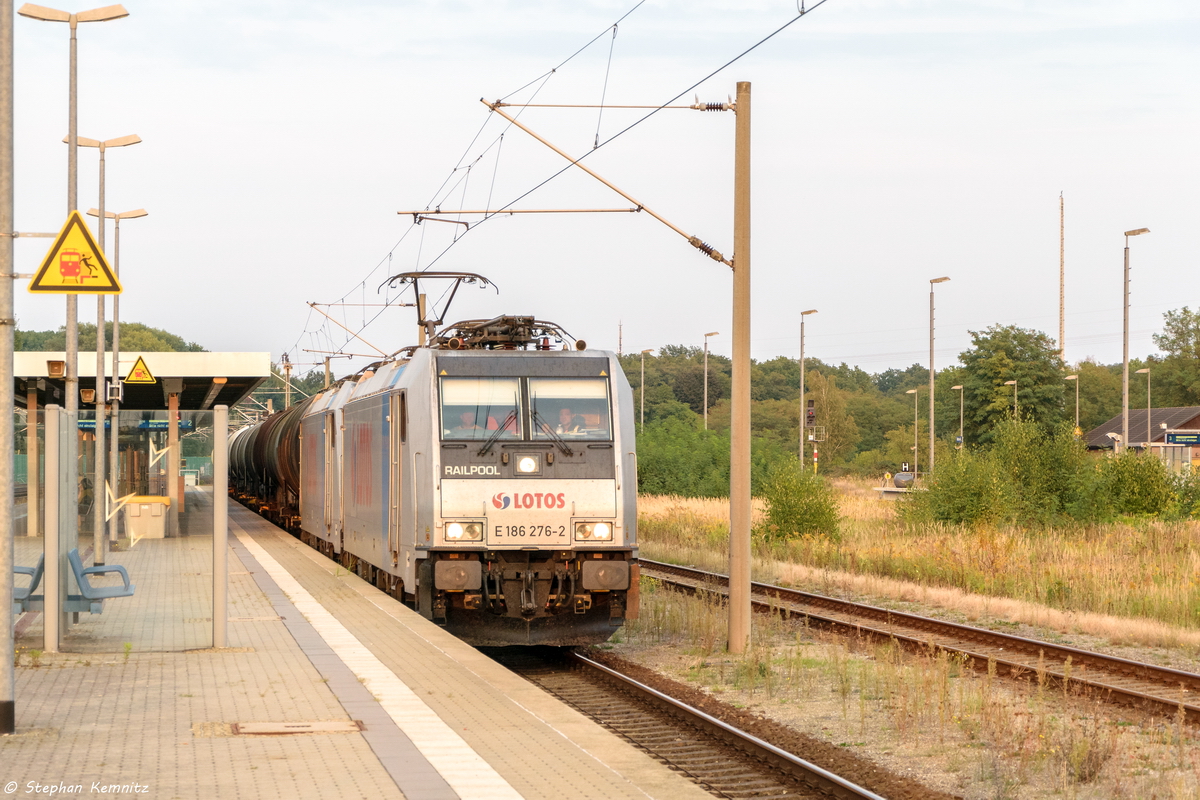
{"x": 549, "y": 431}
{"x": 491, "y": 440}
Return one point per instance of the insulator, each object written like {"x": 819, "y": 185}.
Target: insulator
{"x": 714, "y": 106}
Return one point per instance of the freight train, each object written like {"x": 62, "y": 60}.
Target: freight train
{"x": 487, "y": 479}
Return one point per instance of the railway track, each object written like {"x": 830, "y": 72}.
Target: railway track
{"x": 724, "y": 760}
{"x": 1148, "y": 687}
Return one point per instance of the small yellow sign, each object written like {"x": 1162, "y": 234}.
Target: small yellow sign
{"x": 140, "y": 373}
{"x": 75, "y": 264}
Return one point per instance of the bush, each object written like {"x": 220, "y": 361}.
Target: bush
{"x": 1136, "y": 484}
{"x": 797, "y": 503}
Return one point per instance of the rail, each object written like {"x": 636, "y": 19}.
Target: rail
{"x": 1135, "y": 683}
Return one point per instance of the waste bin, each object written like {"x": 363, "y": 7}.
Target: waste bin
{"x": 146, "y": 517}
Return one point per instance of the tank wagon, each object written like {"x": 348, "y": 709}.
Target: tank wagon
{"x": 487, "y": 480}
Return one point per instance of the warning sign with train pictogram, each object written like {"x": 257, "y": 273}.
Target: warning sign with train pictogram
{"x": 140, "y": 373}
{"x": 75, "y": 264}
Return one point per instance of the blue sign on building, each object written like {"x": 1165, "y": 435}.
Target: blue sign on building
{"x": 162, "y": 425}
{"x": 1183, "y": 438}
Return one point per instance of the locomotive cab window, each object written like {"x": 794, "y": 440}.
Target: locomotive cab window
{"x": 480, "y": 408}
{"x": 570, "y": 408}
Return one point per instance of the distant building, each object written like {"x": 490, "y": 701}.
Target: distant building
{"x": 1162, "y": 421}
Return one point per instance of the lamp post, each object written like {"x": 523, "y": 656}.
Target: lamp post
{"x": 71, "y": 400}
{"x": 916, "y": 451}
{"x": 932, "y": 281}
{"x": 1125, "y": 345}
{"x": 8, "y": 686}
{"x": 959, "y": 389}
{"x": 803, "y": 407}
{"x": 643, "y": 390}
{"x": 98, "y": 522}
{"x": 1146, "y": 370}
{"x": 1014, "y": 385}
{"x": 1076, "y": 379}
{"x": 714, "y": 333}
{"x": 114, "y": 463}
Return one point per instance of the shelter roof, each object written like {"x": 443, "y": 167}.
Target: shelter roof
{"x": 1179, "y": 418}
{"x": 202, "y": 380}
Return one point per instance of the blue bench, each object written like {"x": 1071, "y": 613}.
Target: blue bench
{"x": 91, "y": 598}
{"x": 23, "y": 596}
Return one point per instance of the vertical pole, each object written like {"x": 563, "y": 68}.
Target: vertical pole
{"x": 961, "y": 440}
{"x": 173, "y": 461}
{"x": 1125, "y": 359}
{"x": 70, "y": 522}
{"x": 931, "y": 441}
{"x": 8, "y": 698}
{"x": 1077, "y": 402}
{"x": 52, "y": 575}
{"x": 1062, "y": 282}
{"x": 327, "y": 375}
{"x": 33, "y": 469}
{"x": 220, "y": 525}
{"x": 916, "y": 435}
{"x": 705, "y": 383}
{"x": 99, "y": 495}
{"x": 421, "y": 319}
{"x": 287, "y": 382}
{"x": 1148, "y": 410}
{"x": 803, "y": 407}
{"x": 642, "y": 392}
{"x": 1016, "y": 412}
{"x": 739, "y": 456}
{"x": 114, "y": 456}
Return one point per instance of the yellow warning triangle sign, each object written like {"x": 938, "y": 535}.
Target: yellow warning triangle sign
{"x": 75, "y": 264}
{"x": 140, "y": 373}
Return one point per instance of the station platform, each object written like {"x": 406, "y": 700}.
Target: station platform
{"x": 142, "y": 703}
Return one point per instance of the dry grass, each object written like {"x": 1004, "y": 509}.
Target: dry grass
{"x": 961, "y": 731}
{"x": 1136, "y": 585}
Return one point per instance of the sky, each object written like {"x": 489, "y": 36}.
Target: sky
{"x": 892, "y": 143}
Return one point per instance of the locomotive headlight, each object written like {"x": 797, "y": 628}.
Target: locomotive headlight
{"x": 528, "y": 465}
{"x": 464, "y": 531}
{"x": 593, "y": 531}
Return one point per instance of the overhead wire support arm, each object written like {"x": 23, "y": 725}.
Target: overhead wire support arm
{"x": 694, "y": 241}
{"x": 313, "y": 306}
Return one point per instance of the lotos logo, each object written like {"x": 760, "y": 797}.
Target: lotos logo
{"x": 530, "y": 500}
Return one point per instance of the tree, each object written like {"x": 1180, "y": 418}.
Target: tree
{"x": 1177, "y": 378}
{"x": 1004, "y": 353}
{"x": 134, "y": 337}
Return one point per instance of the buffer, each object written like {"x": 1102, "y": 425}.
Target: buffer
{"x": 75, "y": 264}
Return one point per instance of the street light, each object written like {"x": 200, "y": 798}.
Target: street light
{"x": 101, "y": 398}
{"x": 932, "y": 281}
{"x": 114, "y": 452}
{"x": 1076, "y": 379}
{"x": 53, "y": 15}
{"x": 1146, "y": 370}
{"x": 803, "y": 407}
{"x": 916, "y": 450}
{"x": 1125, "y": 344}
{"x": 1014, "y": 385}
{"x": 959, "y": 389}
{"x": 651, "y": 350}
{"x": 52, "y": 629}
{"x": 714, "y": 333}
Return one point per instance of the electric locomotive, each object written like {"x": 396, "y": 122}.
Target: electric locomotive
{"x": 487, "y": 479}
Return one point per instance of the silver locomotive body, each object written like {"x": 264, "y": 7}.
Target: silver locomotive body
{"x": 494, "y": 490}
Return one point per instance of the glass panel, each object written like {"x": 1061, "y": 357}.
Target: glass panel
{"x": 478, "y": 408}
{"x": 571, "y": 408}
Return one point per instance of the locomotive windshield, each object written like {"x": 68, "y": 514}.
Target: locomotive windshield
{"x": 570, "y": 408}
{"x": 476, "y": 408}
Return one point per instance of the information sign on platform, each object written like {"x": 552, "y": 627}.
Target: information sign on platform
{"x": 140, "y": 373}
{"x": 75, "y": 264}
{"x": 1183, "y": 438}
